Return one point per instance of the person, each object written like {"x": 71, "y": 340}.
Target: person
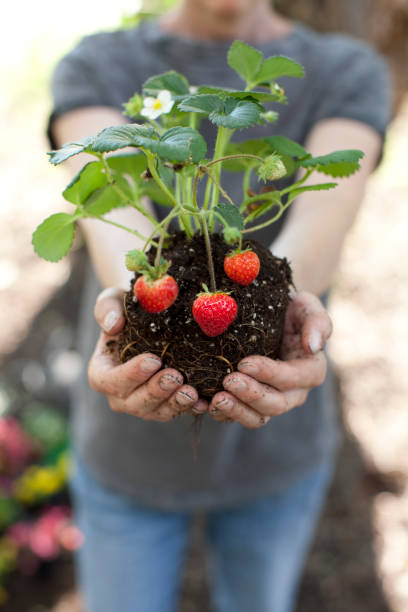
{"x": 262, "y": 478}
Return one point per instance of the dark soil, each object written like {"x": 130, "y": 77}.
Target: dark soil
{"x": 177, "y": 339}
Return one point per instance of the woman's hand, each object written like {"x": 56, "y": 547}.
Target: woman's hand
{"x": 264, "y": 388}
{"x": 136, "y": 387}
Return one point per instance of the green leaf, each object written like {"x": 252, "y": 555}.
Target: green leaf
{"x": 245, "y": 60}
{"x": 119, "y": 137}
{"x": 106, "y": 198}
{"x": 258, "y": 96}
{"x": 69, "y": 149}
{"x": 284, "y": 145}
{"x": 166, "y": 174}
{"x": 85, "y": 183}
{"x": 236, "y": 114}
{"x": 133, "y": 165}
{"x": 201, "y": 103}
{"x": 53, "y": 237}
{"x": 337, "y": 164}
{"x": 231, "y": 113}
{"x": 230, "y": 215}
{"x": 174, "y": 82}
{"x": 319, "y": 187}
{"x": 180, "y": 144}
{"x": 275, "y": 67}
{"x": 136, "y": 260}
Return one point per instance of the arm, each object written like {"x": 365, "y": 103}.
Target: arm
{"x": 136, "y": 387}
{"x": 107, "y": 245}
{"x": 311, "y": 239}
{"x": 319, "y": 221}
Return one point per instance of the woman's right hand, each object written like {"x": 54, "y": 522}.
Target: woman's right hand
{"x": 136, "y": 387}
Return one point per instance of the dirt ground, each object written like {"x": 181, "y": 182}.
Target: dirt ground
{"x": 359, "y": 560}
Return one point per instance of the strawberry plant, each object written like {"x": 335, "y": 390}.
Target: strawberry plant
{"x": 204, "y": 335}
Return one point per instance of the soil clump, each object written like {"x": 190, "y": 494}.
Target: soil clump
{"x": 176, "y": 338}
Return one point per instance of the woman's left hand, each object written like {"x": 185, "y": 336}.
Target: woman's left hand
{"x": 263, "y": 388}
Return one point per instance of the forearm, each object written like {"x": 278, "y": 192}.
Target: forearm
{"x": 318, "y": 223}
{"x": 313, "y": 236}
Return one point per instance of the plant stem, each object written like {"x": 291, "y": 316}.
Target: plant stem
{"x": 223, "y": 137}
{"x": 296, "y": 185}
{"x": 187, "y": 188}
{"x": 161, "y": 241}
{"x": 156, "y": 176}
{"x": 165, "y": 189}
{"x": 122, "y": 194}
{"x": 156, "y": 125}
{"x": 195, "y": 184}
{"x": 184, "y": 219}
{"x": 266, "y": 223}
{"x": 246, "y": 182}
{"x": 272, "y": 196}
{"x": 235, "y": 156}
{"x": 224, "y": 134}
{"x": 193, "y": 121}
{"x": 127, "y": 229}
{"x": 207, "y": 241}
{"x": 159, "y": 226}
{"x": 224, "y": 193}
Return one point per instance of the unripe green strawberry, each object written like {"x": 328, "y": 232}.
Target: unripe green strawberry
{"x": 156, "y": 295}
{"x": 214, "y": 312}
{"x": 242, "y": 268}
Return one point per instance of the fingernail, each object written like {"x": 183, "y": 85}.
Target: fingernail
{"x": 248, "y": 366}
{"x": 150, "y": 364}
{"x": 184, "y": 398}
{"x": 168, "y": 382}
{"x": 237, "y": 385}
{"x": 225, "y": 404}
{"x": 315, "y": 341}
{"x": 110, "y": 320}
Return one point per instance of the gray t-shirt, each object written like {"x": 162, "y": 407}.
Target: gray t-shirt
{"x": 152, "y": 462}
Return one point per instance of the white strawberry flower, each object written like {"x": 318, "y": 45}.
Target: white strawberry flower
{"x": 153, "y": 107}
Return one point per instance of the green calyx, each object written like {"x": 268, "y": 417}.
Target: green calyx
{"x": 238, "y": 251}
{"x": 208, "y": 292}
{"x": 136, "y": 261}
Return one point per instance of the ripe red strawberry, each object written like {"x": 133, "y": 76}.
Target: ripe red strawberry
{"x": 214, "y": 312}
{"x": 242, "y": 267}
{"x": 156, "y": 295}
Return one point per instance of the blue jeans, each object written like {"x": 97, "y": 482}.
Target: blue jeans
{"x": 132, "y": 557}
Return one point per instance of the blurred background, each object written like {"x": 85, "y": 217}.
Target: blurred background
{"x": 360, "y": 558}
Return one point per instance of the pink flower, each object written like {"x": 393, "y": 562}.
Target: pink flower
{"x": 16, "y": 448}
{"x": 20, "y": 533}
